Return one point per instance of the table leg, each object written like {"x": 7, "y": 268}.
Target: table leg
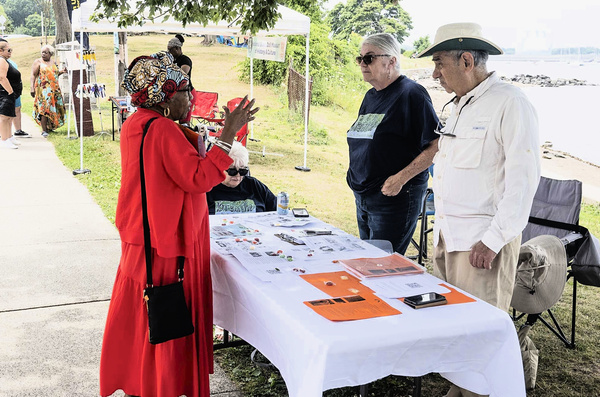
{"x": 364, "y": 389}
{"x": 417, "y": 387}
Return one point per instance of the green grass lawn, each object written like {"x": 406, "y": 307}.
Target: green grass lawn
{"x": 323, "y": 191}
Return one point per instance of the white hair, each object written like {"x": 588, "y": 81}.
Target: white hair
{"x": 48, "y": 47}
{"x": 387, "y": 43}
{"x": 239, "y": 155}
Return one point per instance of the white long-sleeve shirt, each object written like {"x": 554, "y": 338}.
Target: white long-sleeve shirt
{"x": 486, "y": 176}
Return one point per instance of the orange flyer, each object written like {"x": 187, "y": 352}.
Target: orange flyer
{"x": 454, "y": 296}
{"x": 350, "y": 299}
{"x": 392, "y": 265}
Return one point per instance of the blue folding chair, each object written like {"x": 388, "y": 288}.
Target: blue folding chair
{"x": 428, "y": 209}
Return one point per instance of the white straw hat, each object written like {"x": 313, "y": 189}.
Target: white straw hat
{"x": 541, "y": 274}
{"x": 460, "y": 36}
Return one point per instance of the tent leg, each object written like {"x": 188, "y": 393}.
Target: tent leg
{"x": 306, "y": 104}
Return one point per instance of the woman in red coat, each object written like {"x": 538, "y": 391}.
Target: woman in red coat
{"x": 177, "y": 178}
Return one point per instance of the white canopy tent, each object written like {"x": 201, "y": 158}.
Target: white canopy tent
{"x": 290, "y": 23}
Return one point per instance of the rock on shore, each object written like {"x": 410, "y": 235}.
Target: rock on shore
{"x": 543, "y": 81}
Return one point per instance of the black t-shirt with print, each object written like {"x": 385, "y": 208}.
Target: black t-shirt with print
{"x": 251, "y": 195}
{"x": 393, "y": 127}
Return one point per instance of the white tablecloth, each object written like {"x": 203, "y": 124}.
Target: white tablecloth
{"x": 474, "y": 345}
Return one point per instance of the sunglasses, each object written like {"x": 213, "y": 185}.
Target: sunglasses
{"x": 235, "y": 171}
{"x": 368, "y": 59}
{"x": 8, "y": 50}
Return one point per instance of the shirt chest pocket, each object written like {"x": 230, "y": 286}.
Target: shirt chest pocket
{"x": 468, "y": 143}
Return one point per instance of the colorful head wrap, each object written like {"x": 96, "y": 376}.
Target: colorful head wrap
{"x": 153, "y": 79}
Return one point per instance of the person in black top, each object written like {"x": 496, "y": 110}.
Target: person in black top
{"x": 185, "y": 63}
{"x": 11, "y": 87}
{"x": 240, "y": 192}
{"x": 391, "y": 145}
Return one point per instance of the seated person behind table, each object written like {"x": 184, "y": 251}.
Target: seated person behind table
{"x": 240, "y": 192}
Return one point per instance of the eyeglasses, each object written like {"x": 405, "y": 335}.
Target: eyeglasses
{"x": 235, "y": 171}
{"x": 368, "y": 59}
{"x": 7, "y": 49}
{"x": 441, "y": 126}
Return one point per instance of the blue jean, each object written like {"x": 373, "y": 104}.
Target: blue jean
{"x": 394, "y": 218}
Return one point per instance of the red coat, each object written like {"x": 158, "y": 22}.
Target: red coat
{"x": 176, "y": 181}
{"x": 174, "y": 172}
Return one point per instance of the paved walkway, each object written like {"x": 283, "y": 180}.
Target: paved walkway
{"x": 58, "y": 258}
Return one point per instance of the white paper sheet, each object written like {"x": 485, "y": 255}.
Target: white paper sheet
{"x": 402, "y": 286}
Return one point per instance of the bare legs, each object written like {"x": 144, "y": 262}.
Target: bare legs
{"x": 17, "y": 120}
{"x": 5, "y": 123}
{"x": 44, "y": 123}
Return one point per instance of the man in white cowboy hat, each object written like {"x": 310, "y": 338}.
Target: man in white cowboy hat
{"x": 486, "y": 171}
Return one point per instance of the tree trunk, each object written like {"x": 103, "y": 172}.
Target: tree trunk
{"x": 209, "y": 40}
{"x": 63, "y": 25}
{"x": 122, "y": 63}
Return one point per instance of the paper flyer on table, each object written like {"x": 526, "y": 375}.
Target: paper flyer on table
{"x": 232, "y": 230}
{"x": 267, "y": 264}
{"x": 400, "y": 287}
{"x": 334, "y": 243}
{"x": 273, "y": 219}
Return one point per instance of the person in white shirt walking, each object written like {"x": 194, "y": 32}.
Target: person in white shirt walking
{"x": 486, "y": 171}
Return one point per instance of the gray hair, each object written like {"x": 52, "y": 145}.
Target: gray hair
{"x": 387, "y": 43}
{"x": 480, "y": 57}
{"x": 174, "y": 42}
{"x": 239, "y": 155}
{"x": 47, "y": 47}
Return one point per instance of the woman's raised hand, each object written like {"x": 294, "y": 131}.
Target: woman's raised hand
{"x": 236, "y": 119}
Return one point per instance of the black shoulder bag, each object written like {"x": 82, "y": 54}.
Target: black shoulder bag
{"x": 168, "y": 314}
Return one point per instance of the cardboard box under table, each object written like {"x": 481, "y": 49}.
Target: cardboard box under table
{"x": 472, "y": 344}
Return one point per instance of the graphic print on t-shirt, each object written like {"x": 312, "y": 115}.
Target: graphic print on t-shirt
{"x": 235, "y": 207}
{"x": 364, "y": 127}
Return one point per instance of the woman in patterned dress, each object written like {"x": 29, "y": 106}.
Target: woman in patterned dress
{"x": 48, "y": 108}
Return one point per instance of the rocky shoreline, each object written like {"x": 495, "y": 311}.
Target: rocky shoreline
{"x": 543, "y": 81}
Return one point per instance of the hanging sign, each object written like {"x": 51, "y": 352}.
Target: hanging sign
{"x": 267, "y": 48}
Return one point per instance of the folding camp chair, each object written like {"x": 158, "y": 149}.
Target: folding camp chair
{"x": 240, "y": 136}
{"x": 206, "y": 110}
{"x": 555, "y": 211}
{"x": 427, "y": 210}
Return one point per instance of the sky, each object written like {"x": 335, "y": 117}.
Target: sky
{"x": 527, "y": 25}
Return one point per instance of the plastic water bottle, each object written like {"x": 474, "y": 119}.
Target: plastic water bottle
{"x": 283, "y": 201}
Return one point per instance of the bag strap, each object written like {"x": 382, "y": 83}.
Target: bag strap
{"x": 146, "y": 223}
{"x": 558, "y": 225}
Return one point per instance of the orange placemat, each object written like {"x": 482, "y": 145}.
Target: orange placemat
{"x": 350, "y": 299}
{"x": 454, "y": 296}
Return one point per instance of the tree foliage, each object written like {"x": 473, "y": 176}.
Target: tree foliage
{"x": 366, "y": 17}
{"x": 252, "y": 15}
{"x": 32, "y": 25}
{"x": 421, "y": 44}
{"x": 18, "y": 10}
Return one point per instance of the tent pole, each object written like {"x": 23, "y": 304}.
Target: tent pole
{"x": 81, "y": 170}
{"x": 251, "y": 87}
{"x": 306, "y": 105}
{"x": 70, "y": 79}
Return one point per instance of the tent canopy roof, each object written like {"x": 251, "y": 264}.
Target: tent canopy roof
{"x": 290, "y": 23}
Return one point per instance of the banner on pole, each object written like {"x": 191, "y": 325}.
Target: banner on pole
{"x": 267, "y": 48}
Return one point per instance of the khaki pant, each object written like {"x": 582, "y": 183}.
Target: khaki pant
{"x": 495, "y": 286}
